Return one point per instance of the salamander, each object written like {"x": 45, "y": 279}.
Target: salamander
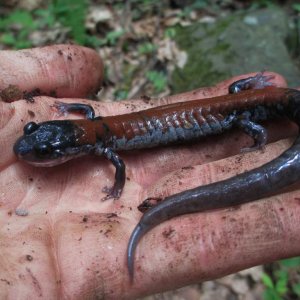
{"x": 53, "y": 142}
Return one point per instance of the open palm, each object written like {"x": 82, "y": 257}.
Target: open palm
{"x": 70, "y": 244}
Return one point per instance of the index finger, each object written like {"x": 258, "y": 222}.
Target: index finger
{"x": 59, "y": 70}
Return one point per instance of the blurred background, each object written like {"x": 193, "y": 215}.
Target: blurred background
{"x": 157, "y": 48}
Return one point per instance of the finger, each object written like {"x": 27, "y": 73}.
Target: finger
{"x": 220, "y": 88}
{"x": 59, "y": 70}
{"x": 8, "y": 134}
{"x": 203, "y": 246}
{"x": 201, "y": 93}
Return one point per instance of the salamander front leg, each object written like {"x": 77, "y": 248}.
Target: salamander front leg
{"x": 259, "y": 81}
{"x": 256, "y": 131}
{"x": 65, "y": 108}
{"x": 116, "y": 190}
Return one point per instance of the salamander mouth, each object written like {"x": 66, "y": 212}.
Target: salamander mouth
{"x": 56, "y": 158}
{"x": 47, "y": 163}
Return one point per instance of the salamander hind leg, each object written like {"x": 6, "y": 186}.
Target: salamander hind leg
{"x": 256, "y": 131}
{"x": 64, "y": 108}
{"x": 116, "y": 190}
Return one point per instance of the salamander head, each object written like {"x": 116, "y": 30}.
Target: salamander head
{"x": 50, "y": 143}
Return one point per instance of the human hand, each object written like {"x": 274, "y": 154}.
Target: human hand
{"x": 73, "y": 245}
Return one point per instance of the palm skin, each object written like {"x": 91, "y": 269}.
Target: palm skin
{"x": 73, "y": 245}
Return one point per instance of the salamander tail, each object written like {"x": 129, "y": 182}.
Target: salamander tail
{"x": 136, "y": 235}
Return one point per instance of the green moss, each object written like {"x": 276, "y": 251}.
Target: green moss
{"x": 220, "y": 48}
{"x": 232, "y": 46}
{"x": 218, "y": 28}
{"x": 200, "y": 70}
{"x": 195, "y": 75}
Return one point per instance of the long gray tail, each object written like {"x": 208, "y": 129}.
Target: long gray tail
{"x": 138, "y": 232}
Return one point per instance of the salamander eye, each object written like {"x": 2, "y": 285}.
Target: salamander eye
{"x": 43, "y": 149}
{"x": 30, "y": 127}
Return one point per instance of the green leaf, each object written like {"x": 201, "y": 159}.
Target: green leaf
{"x": 200, "y": 4}
{"x": 158, "y": 80}
{"x": 296, "y": 289}
{"x": 8, "y": 39}
{"x": 281, "y": 283}
{"x": 121, "y": 94}
{"x": 45, "y": 16}
{"x": 23, "y": 18}
{"x": 94, "y": 41}
{"x": 270, "y": 294}
{"x": 21, "y": 44}
{"x": 113, "y": 36}
{"x": 281, "y": 286}
{"x": 146, "y": 48}
{"x": 267, "y": 281}
{"x": 296, "y": 7}
{"x": 170, "y": 32}
{"x": 281, "y": 274}
{"x": 291, "y": 262}
{"x": 71, "y": 13}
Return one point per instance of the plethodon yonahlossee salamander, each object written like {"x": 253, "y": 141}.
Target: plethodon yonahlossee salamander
{"x": 54, "y": 142}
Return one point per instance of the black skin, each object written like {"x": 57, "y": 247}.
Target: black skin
{"x": 240, "y": 85}
{"x": 84, "y": 109}
{"x": 254, "y": 82}
{"x": 120, "y": 174}
{"x": 35, "y": 145}
{"x": 256, "y": 131}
